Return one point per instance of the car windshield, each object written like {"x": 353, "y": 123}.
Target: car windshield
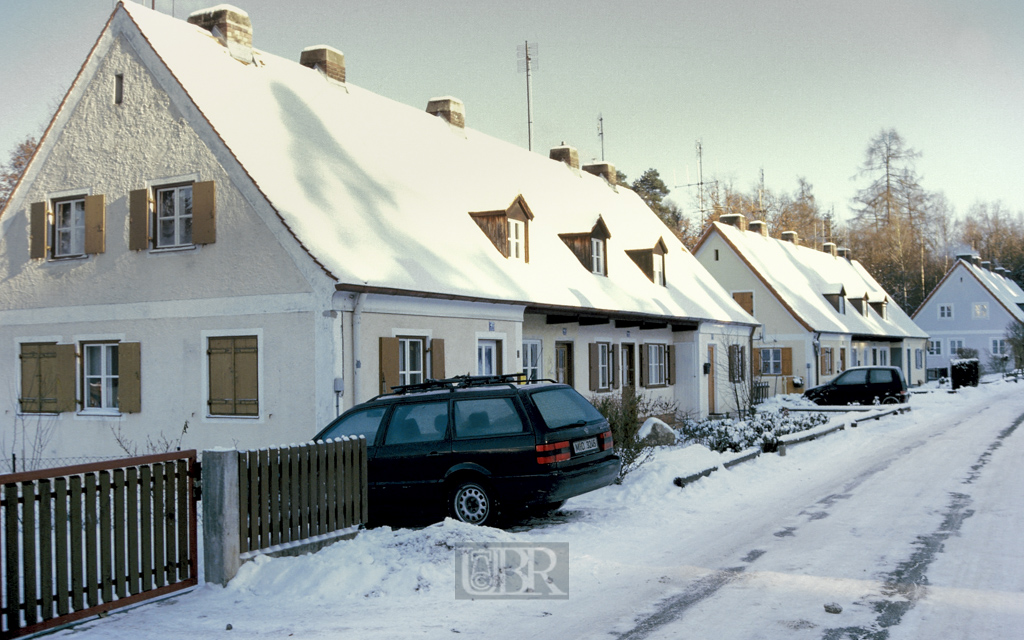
{"x": 563, "y": 407}
{"x": 358, "y": 423}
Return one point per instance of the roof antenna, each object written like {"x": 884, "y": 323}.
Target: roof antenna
{"x": 600, "y": 133}
{"x": 528, "y": 62}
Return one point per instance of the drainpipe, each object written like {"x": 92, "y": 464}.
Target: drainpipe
{"x": 357, "y": 318}
{"x": 816, "y": 343}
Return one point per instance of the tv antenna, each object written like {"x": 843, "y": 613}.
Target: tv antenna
{"x": 700, "y": 180}
{"x": 600, "y": 133}
{"x": 528, "y": 62}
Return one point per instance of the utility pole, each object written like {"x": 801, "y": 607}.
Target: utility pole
{"x": 527, "y": 63}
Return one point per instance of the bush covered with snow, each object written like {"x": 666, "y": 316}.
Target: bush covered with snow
{"x": 626, "y": 414}
{"x": 762, "y": 429}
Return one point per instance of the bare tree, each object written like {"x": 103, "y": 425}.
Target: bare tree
{"x": 11, "y": 172}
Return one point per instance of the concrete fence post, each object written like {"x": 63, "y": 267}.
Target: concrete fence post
{"x": 221, "y": 552}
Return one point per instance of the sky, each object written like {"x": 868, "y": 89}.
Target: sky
{"x": 796, "y": 88}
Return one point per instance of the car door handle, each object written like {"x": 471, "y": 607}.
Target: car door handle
{"x": 434, "y": 453}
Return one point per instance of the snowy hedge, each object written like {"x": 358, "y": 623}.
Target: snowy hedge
{"x": 762, "y": 429}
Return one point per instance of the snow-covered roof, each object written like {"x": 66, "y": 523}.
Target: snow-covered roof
{"x": 379, "y": 193}
{"x": 801, "y": 277}
{"x": 1005, "y": 290}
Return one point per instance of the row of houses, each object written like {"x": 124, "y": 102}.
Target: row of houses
{"x": 219, "y": 245}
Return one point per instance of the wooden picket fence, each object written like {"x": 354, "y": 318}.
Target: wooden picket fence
{"x": 81, "y": 540}
{"x": 291, "y": 494}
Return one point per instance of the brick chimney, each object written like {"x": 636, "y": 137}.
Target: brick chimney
{"x": 986, "y": 265}
{"x": 790, "y": 236}
{"x": 829, "y": 248}
{"x": 976, "y": 261}
{"x": 230, "y": 25}
{"x": 737, "y": 220}
{"x": 603, "y": 169}
{"x": 449, "y": 108}
{"x": 566, "y": 154}
{"x": 845, "y": 253}
{"x": 327, "y": 60}
{"x": 758, "y": 226}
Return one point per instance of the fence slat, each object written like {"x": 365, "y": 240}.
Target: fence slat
{"x": 60, "y": 544}
{"x": 332, "y": 485}
{"x": 29, "y": 592}
{"x": 274, "y": 495}
{"x": 91, "y": 546}
{"x": 45, "y": 548}
{"x": 159, "y": 559}
{"x": 170, "y": 526}
{"x": 12, "y": 610}
{"x": 295, "y": 506}
{"x": 264, "y": 497}
{"x": 351, "y": 475}
{"x": 134, "y": 529}
{"x": 321, "y": 489}
{"x": 120, "y": 531}
{"x": 243, "y": 503}
{"x": 77, "y": 525}
{"x": 254, "y": 499}
{"x": 106, "y": 542}
{"x": 183, "y": 520}
{"x": 361, "y": 486}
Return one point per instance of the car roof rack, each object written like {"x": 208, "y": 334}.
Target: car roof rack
{"x": 463, "y": 382}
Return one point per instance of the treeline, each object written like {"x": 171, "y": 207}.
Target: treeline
{"x": 906, "y": 236}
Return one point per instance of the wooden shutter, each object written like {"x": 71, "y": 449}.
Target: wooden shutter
{"x": 95, "y": 224}
{"x": 204, "y": 213}
{"x": 129, "y": 383}
{"x": 138, "y": 220}
{"x": 821, "y": 361}
{"x": 787, "y": 361}
{"x": 755, "y": 359}
{"x": 643, "y": 365}
{"x": 222, "y": 396}
{"x": 670, "y": 364}
{"x": 37, "y": 227}
{"x": 388, "y": 363}
{"x": 613, "y": 355}
{"x": 498, "y": 364}
{"x": 38, "y": 370}
{"x": 437, "y": 359}
{"x": 64, "y": 382}
{"x": 247, "y": 375}
{"x": 842, "y": 359}
{"x": 234, "y": 375}
{"x": 745, "y": 299}
{"x": 594, "y": 374}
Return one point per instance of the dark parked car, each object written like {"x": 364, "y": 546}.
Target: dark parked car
{"x": 862, "y": 385}
{"x": 476, "y": 445}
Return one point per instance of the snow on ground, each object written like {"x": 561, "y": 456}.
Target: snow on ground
{"x": 636, "y": 546}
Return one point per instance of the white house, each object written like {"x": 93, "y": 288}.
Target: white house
{"x": 820, "y": 311}
{"x": 219, "y": 246}
{"x": 971, "y": 308}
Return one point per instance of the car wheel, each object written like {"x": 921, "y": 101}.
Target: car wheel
{"x": 890, "y": 400}
{"x": 470, "y": 502}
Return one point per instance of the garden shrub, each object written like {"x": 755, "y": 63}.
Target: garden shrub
{"x": 626, "y": 414}
{"x": 762, "y": 430}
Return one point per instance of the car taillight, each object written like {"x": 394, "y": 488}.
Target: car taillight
{"x": 552, "y": 452}
{"x": 606, "y": 441}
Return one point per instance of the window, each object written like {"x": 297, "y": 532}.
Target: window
{"x": 854, "y": 357}
{"x": 999, "y": 347}
{"x": 118, "y": 88}
{"x": 410, "y": 361}
{"x": 883, "y": 357}
{"x": 174, "y": 217}
{"x": 234, "y": 375}
{"x": 69, "y": 228}
{"x": 600, "y": 366}
{"x": 955, "y": 346}
{"x": 874, "y": 356}
{"x": 516, "y": 236}
{"x": 919, "y": 358}
{"x": 656, "y": 365}
{"x": 422, "y": 422}
{"x": 737, "y": 362}
{"x": 935, "y": 347}
{"x": 564, "y": 371}
{"x": 745, "y": 299}
{"x": 486, "y": 417}
{"x": 99, "y": 377}
{"x": 659, "y": 269}
{"x": 979, "y": 311}
{"x": 597, "y": 256}
{"x": 771, "y": 362}
{"x": 361, "y": 423}
{"x": 945, "y": 312}
{"x": 532, "y": 359}
{"x": 651, "y": 261}
{"x": 487, "y": 356}
{"x": 827, "y": 361}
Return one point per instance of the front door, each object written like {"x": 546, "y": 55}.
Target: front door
{"x": 628, "y": 366}
{"x": 563, "y": 363}
{"x": 711, "y": 379}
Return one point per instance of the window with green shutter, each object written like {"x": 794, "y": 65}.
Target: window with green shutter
{"x": 234, "y": 375}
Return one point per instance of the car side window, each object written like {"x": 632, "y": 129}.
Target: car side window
{"x": 881, "y": 376}
{"x": 359, "y": 423}
{"x": 422, "y": 422}
{"x": 486, "y": 417}
{"x": 853, "y": 377}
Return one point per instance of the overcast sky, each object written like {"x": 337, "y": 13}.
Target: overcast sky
{"x": 796, "y": 88}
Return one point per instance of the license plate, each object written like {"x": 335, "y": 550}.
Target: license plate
{"x": 583, "y": 446}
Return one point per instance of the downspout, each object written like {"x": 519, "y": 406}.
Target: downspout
{"x": 357, "y": 319}
{"x": 816, "y": 343}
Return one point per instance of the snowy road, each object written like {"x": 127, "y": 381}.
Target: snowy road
{"x": 912, "y": 524}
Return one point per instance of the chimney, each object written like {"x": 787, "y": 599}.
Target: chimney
{"x": 603, "y": 169}
{"x": 829, "y": 248}
{"x": 737, "y": 220}
{"x": 566, "y": 154}
{"x": 758, "y": 226}
{"x": 976, "y": 261}
{"x": 230, "y": 25}
{"x": 844, "y": 253}
{"x": 790, "y": 236}
{"x": 986, "y": 265}
{"x": 966, "y": 257}
{"x": 327, "y": 60}
{"x": 450, "y": 109}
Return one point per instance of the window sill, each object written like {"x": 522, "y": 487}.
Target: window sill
{"x": 190, "y": 247}
{"x": 219, "y": 416}
{"x": 99, "y": 413}
{"x": 83, "y": 256}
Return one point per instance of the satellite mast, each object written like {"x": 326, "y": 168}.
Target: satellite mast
{"x": 528, "y": 62}
{"x": 700, "y": 180}
{"x": 600, "y": 133}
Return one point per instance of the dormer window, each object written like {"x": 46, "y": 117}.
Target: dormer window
{"x": 652, "y": 261}
{"x": 508, "y": 229}
{"x": 590, "y": 247}
{"x": 837, "y": 300}
{"x": 880, "y": 308}
{"x": 597, "y": 256}
{"x": 516, "y": 239}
